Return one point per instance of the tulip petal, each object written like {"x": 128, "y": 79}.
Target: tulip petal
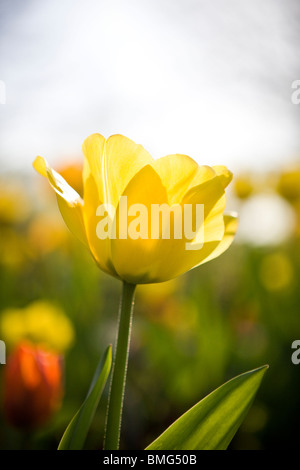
{"x": 92, "y": 149}
{"x": 176, "y": 172}
{"x": 177, "y": 261}
{"x": 224, "y": 174}
{"x": 93, "y": 195}
{"x": 80, "y": 218}
{"x": 69, "y": 202}
{"x": 231, "y": 226}
{"x": 146, "y": 261}
{"x": 179, "y": 173}
{"x": 175, "y": 258}
{"x": 100, "y": 248}
{"x": 211, "y": 194}
{"x": 109, "y": 165}
{"x": 135, "y": 259}
{"x": 113, "y": 163}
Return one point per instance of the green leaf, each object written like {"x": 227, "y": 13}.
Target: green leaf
{"x": 212, "y": 423}
{"x": 76, "y": 432}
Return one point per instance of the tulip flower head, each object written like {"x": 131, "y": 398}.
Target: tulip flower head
{"x": 145, "y": 220}
{"x": 244, "y": 186}
{"x": 32, "y": 386}
{"x": 288, "y": 184}
{"x": 41, "y": 322}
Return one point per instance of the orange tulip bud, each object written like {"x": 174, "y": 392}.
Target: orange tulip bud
{"x": 32, "y": 386}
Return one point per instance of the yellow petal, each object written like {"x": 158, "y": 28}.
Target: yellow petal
{"x": 146, "y": 261}
{"x": 224, "y": 174}
{"x": 231, "y": 226}
{"x": 92, "y": 149}
{"x": 40, "y": 166}
{"x": 217, "y": 228}
{"x": 69, "y": 202}
{"x": 176, "y": 172}
{"x": 211, "y": 194}
{"x": 112, "y": 164}
{"x": 175, "y": 258}
{"x": 100, "y": 248}
{"x": 108, "y": 167}
{"x": 179, "y": 173}
{"x": 135, "y": 260}
{"x": 93, "y": 195}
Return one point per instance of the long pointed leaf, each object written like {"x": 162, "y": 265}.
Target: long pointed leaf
{"x": 76, "y": 432}
{"x": 212, "y": 423}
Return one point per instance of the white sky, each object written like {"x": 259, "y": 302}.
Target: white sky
{"x": 208, "y": 78}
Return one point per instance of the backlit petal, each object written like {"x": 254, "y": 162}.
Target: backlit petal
{"x": 179, "y": 173}
{"x": 231, "y": 226}
{"x": 136, "y": 260}
{"x": 69, "y": 202}
{"x": 92, "y": 149}
{"x": 112, "y": 163}
{"x": 176, "y": 261}
{"x": 176, "y": 173}
{"x": 224, "y": 174}
{"x": 93, "y": 195}
{"x": 211, "y": 194}
{"x": 175, "y": 258}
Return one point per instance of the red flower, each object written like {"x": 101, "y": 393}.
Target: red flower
{"x": 32, "y": 386}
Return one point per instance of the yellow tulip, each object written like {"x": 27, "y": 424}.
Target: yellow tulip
{"x": 276, "y": 272}
{"x": 288, "y": 184}
{"x": 116, "y": 167}
{"x": 41, "y": 322}
{"x": 243, "y": 186}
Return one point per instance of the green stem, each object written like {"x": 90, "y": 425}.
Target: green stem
{"x": 117, "y": 386}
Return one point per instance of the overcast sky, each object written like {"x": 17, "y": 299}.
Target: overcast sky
{"x": 208, "y": 78}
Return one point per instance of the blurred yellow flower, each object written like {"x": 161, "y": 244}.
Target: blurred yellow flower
{"x": 117, "y": 167}
{"x": 243, "y": 186}
{"x": 40, "y": 322}
{"x": 14, "y": 203}
{"x": 276, "y": 271}
{"x": 288, "y": 184}
{"x": 45, "y": 234}
{"x": 14, "y": 250}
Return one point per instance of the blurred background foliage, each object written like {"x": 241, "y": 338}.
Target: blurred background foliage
{"x": 189, "y": 335}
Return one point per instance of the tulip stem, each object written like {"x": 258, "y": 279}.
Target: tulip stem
{"x": 119, "y": 369}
